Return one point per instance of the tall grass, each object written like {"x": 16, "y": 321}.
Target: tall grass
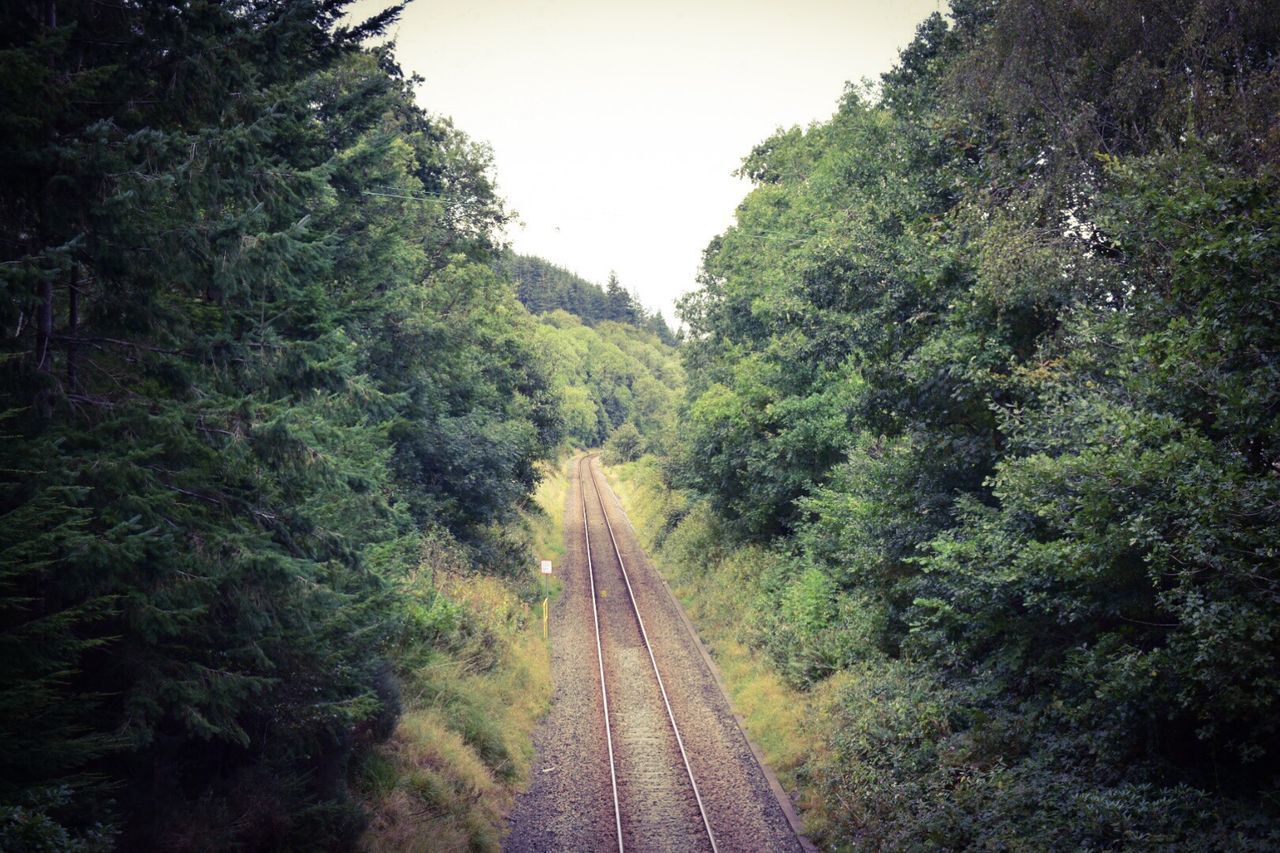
{"x": 544, "y": 518}
{"x": 462, "y": 748}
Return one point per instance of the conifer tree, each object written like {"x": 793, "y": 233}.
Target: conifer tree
{"x": 618, "y": 302}
{"x": 208, "y": 420}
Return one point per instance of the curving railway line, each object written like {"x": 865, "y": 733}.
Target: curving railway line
{"x": 640, "y": 750}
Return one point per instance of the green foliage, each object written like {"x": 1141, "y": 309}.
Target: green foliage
{"x": 608, "y": 362}
{"x": 251, "y": 356}
{"x": 608, "y": 375}
{"x": 624, "y": 445}
{"x": 544, "y": 287}
{"x": 922, "y": 767}
{"x": 474, "y": 682}
{"x": 988, "y": 363}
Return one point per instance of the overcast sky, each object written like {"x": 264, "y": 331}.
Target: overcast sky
{"x": 615, "y": 126}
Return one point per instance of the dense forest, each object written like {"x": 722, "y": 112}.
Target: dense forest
{"x": 610, "y": 376}
{"x": 543, "y": 287}
{"x": 611, "y": 361}
{"x": 264, "y": 379}
{"x": 986, "y": 379}
{"x": 973, "y": 432}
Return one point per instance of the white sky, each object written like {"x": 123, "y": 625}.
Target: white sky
{"x": 616, "y": 126}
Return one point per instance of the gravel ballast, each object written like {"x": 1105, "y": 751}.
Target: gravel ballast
{"x": 569, "y": 805}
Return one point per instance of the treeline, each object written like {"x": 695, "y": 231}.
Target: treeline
{"x": 258, "y": 368}
{"x": 990, "y": 364}
{"x": 612, "y": 364}
{"x": 544, "y": 287}
{"x": 609, "y": 376}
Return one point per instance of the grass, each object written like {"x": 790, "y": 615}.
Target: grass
{"x": 461, "y": 751}
{"x": 719, "y": 590}
{"x": 545, "y": 518}
{"x": 648, "y": 503}
{"x": 545, "y": 521}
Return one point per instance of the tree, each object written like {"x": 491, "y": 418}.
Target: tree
{"x": 624, "y": 445}
{"x": 232, "y": 403}
{"x": 618, "y": 302}
{"x": 987, "y": 361}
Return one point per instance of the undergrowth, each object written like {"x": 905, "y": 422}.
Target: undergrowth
{"x": 474, "y": 683}
{"x": 879, "y": 752}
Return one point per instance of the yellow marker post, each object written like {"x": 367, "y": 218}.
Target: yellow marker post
{"x": 546, "y": 571}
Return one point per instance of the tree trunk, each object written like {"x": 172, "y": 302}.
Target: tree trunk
{"x": 44, "y": 327}
{"x": 73, "y": 325}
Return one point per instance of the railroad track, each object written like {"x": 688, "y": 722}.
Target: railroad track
{"x": 640, "y": 750}
{"x": 643, "y": 780}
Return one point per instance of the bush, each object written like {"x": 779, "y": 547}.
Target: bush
{"x": 624, "y": 445}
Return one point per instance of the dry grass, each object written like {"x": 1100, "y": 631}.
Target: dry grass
{"x": 461, "y": 751}
{"x": 447, "y": 777}
{"x": 431, "y": 791}
{"x": 546, "y": 518}
{"x": 639, "y": 486}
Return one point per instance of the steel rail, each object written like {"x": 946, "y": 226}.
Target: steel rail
{"x": 644, "y": 635}
{"x": 595, "y": 615}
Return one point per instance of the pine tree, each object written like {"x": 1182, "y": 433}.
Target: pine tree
{"x": 187, "y": 438}
{"x": 619, "y": 305}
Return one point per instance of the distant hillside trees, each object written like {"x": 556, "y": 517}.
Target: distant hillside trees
{"x": 610, "y": 375}
{"x": 619, "y": 305}
{"x": 611, "y": 362}
{"x": 544, "y": 287}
